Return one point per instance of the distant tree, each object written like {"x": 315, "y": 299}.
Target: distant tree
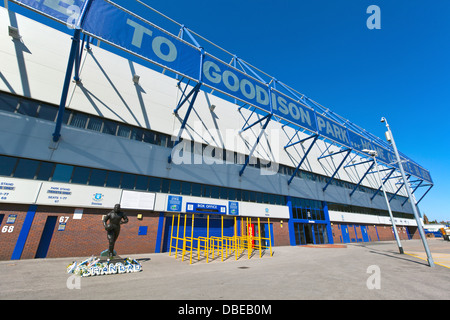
{"x": 425, "y": 219}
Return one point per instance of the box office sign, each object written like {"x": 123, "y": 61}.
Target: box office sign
{"x": 80, "y": 196}
{"x": 206, "y": 208}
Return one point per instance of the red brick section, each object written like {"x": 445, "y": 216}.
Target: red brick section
{"x": 8, "y": 240}
{"x": 83, "y": 237}
{"x": 385, "y": 232}
{"x": 86, "y": 236}
{"x": 280, "y": 232}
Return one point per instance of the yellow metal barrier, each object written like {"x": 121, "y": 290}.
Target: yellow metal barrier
{"x": 211, "y": 247}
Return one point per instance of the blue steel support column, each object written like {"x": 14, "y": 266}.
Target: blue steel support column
{"x": 361, "y": 180}
{"x": 398, "y": 190}
{"x": 181, "y": 103}
{"x": 431, "y": 186}
{"x": 254, "y": 123}
{"x": 256, "y": 143}
{"x": 73, "y": 56}
{"x": 23, "y": 235}
{"x": 188, "y": 112}
{"x": 78, "y": 57}
{"x": 414, "y": 190}
{"x": 303, "y": 159}
{"x": 62, "y": 103}
{"x": 337, "y": 169}
{"x": 291, "y": 222}
{"x": 382, "y": 183}
{"x": 159, "y": 233}
{"x": 327, "y": 219}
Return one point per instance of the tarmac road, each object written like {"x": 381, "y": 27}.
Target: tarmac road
{"x": 359, "y": 271}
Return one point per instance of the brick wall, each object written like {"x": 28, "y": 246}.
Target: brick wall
{"x": 375, "y": 232}
{"x": 280, "y": 232}
{"x": 81, "y": 237}
{"x": 9, "y": 238}
{"x": 86, "y": 236}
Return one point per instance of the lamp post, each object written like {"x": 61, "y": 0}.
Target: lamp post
{"x": 390, "y": 138}
{"x": 374, "y": 154}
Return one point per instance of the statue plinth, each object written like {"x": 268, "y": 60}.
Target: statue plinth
{"x": 105, "y": 257}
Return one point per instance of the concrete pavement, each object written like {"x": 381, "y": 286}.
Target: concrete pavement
{"x": 359, "y": 271}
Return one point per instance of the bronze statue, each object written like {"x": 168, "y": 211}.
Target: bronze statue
{"x": 116, "y": 218}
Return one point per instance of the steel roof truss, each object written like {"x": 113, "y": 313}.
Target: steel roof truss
{"x": 339, "y": 166}
{"x": 304, "y": 156}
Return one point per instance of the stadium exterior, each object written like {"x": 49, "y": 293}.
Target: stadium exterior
{"x": 119, "y": 144}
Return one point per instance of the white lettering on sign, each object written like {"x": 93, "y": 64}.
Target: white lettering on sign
{"x": 374, "y": 21}
{"x": 56, "y": 5}
{"x": 157, "y": 43}
{"x": 251, "y": 91}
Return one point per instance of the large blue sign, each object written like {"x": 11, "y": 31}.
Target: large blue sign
{"x": 293, "y": 111}
{"x": 332, "y": 130}
{"x": 358, "y": 142}
{"x": 141, "y": 37}
{"x": 117, "y": 26}
{"x": 65, "y": 11}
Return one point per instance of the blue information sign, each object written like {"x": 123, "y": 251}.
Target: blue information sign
{"x": 174, "y": 203}
{"x": 233, "y": 208}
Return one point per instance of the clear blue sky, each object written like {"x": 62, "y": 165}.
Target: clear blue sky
{"x": 324, "y": 49}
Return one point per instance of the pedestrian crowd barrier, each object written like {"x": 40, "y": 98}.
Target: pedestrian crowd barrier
{"x": 244, "y": 242}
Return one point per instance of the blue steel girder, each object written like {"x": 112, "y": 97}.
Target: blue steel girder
{"x": 414, "y": 190}
{"x": 386, "y": 178}
{"x": 304, "y": 156}
{"x": 194, "y": 93}
{"x": 399, "y": 188}
{"x": 430, "y": 186}
{"x": 184, "y": 97}
{"x": 268, "y": 117}
{"x": 357, "y": 164}
{"x": 289, "y": 144}
{"x": 362, "y": 178}
{"x": 73, "y": 55}
{"x": 332, "y": 153}
{"x": 74, "y": 58}
{"x": 339, "y": 166}
{"x": 244, "y": 128}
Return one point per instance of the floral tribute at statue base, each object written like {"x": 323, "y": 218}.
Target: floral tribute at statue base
{"x": 94, "y": 266}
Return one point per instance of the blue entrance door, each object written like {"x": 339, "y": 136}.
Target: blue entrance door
{"x": 345, "y": 235}
{"x": 46, "y": 237}
{"x": 365, "y": 236}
